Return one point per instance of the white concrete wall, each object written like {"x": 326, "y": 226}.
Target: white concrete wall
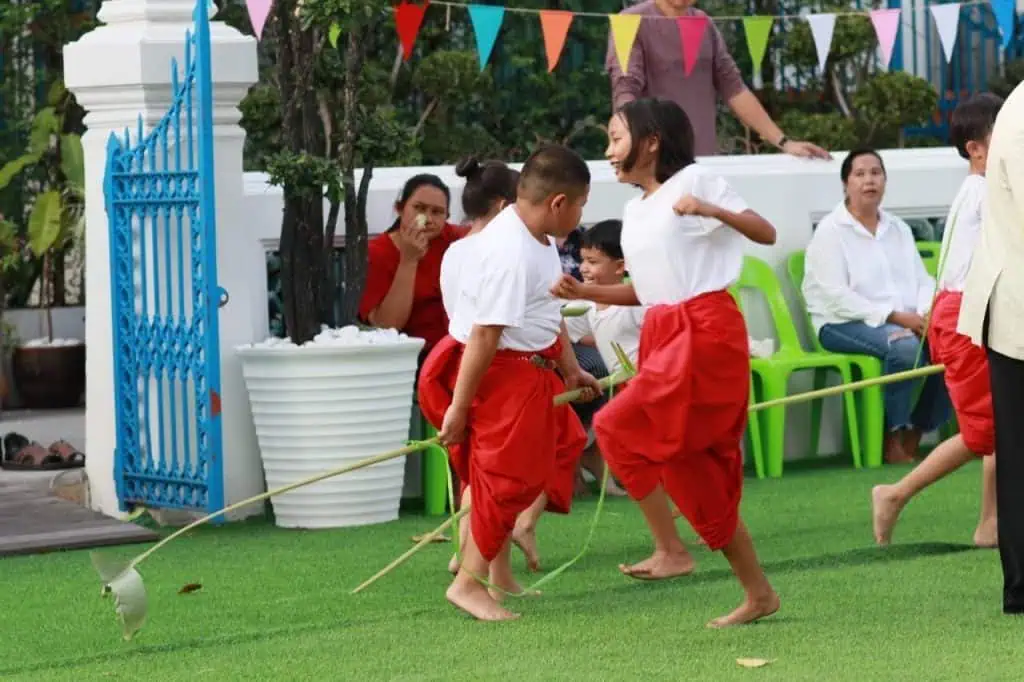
{"x": 792, "y": 193}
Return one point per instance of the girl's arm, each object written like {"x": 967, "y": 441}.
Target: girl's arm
{"x": 748, "y": 223}
{"x": 570, "y": 288}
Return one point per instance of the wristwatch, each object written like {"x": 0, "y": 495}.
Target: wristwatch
{"x": 782, "y": 142}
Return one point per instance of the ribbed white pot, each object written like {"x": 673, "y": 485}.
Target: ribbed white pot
{"x": 318, "y": 408}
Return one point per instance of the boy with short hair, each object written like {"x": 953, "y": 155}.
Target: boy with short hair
{"x": 490, "y": 385}
{"x": 967, "y": 373}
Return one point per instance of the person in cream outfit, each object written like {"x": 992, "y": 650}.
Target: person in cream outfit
{"x": 992, "y": 315}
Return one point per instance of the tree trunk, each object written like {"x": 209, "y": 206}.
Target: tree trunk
{"x": 301, "y": 249}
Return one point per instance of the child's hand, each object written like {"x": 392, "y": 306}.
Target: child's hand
{"x": 568, "y": 288}
{"x": 453, "y": 428}
{"x": 586, "y": 381}
{"x": 691, "y": 205}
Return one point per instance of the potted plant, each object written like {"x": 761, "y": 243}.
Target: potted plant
{"x": 333, "y": 392}
{"x": 50, "y": 372}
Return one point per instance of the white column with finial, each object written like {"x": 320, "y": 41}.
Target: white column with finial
{"x": 118, "y": 71}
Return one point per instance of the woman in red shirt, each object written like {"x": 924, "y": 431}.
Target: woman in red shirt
{"x": 403, "y": 279}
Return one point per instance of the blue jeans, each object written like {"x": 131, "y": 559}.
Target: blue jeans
{"x": 590, "y": 361}
{"x": 897, "y": 355}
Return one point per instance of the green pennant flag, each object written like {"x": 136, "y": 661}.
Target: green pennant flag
{"x": 757, "y": 30}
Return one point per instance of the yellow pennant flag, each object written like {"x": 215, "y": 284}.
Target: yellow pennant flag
{"x": 624, "y": 30}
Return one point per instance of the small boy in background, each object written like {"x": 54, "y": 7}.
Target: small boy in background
{"x": 603, "y": 325}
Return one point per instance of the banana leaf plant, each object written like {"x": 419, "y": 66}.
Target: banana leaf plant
{"x": 55, "y": 161}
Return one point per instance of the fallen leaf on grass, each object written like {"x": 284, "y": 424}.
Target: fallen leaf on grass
{"x": 191, "y": 587}
{"x": 439, "y": 539}
{"x": 753, "y": 662}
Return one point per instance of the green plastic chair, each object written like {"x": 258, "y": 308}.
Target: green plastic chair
{"x": 773, "y": 373}
{"x": 754, "y": 441}
{"x": 434, "y": 470}
{"x": 870, "y": 402}
{"x": 930, "y": 252}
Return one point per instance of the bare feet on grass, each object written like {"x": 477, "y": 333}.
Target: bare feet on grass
{"x": 661, "y": 566}
{"x": 526, "y": 539}
{"x": 505, "y": 585}
{"x": 750, "y": 611}
{"x": 886, "y": 506}
{"x": 986, "y": 535}
{"x": 473, "y": 598}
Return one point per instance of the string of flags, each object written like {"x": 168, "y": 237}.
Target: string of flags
{"x": 487, "y": 21}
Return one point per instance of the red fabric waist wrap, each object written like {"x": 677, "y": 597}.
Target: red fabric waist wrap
{"x": 680, "y": 421}
{"x": 518, "y": 443}
{"x": 966, "y": 374}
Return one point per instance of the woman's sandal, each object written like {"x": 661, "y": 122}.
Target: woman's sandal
{"x": 32, "y": 457}
{"x": 69, "y": 455}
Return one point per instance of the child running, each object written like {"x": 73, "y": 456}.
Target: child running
{"x": 676, "y": 429}
{"x": 967, "y": 374}
{"x": 491, "y": 383}
{"x": 490, "y": 187}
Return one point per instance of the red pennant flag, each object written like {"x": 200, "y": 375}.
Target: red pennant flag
{"x": 691, "y": 32}
{"x": 408, "y": 19}
{"x": 555, "y": 26}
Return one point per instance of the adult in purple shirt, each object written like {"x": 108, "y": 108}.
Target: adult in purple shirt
{"x": 656, "y": 70}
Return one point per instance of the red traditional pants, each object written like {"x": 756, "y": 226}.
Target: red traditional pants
{"x": 967, "y": 377}
{"x": 680, "y": 421}
{"x": 518, "y": 444}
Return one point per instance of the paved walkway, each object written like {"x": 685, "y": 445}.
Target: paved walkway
{"x": 32, "y": 518}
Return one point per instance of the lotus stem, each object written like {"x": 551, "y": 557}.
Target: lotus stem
{"x": 424, "y": 541}
{"x": 610, "y": 381}
{"x": 361, "y": 464}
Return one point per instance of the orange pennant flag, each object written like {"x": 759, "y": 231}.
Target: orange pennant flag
{"x": 624, "y": 30}
{"x": 555, "y": 25}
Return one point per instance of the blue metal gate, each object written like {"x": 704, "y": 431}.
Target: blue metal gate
{"x": 161, "y": 207}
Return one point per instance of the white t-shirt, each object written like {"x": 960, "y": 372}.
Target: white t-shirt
{"x": 853, "y": 275}
{"x": 616, "y": 323}
{"x": 505, "y": 280}
{"x": 963, "y": 226}
{"x": 672, "y": 258}
{"x": 452, "y": 266}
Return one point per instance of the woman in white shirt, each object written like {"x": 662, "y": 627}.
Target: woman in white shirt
{"x": 868, "y": 292}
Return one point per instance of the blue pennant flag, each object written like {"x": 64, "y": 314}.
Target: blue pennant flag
{"x": 1005, "y": 11}
{"x": 486, "y": 24}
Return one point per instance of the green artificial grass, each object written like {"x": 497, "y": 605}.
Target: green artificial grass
{"x": 275, "y": 604}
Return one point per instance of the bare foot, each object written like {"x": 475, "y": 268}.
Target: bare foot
{"x": 661, "y": 566}
{"x": 614, "y": 489}
{"x": 474, "y": 600}
{"x": 453, "y": 564}
{"x": 894, "y": 450}
{"x": 508, "y": 586}
{"x": 885, "y": 510}
{"x": 912, "y": 442}
{"x": 986, "y": 535}
{"x": 750, "y": 611}
{"x": 526, "y": 540}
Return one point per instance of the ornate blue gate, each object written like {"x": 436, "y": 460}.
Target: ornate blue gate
{"x": 163, "y": 269}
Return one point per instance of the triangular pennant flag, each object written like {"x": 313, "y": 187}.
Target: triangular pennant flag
{"x": 691, "y": 32}
{"x": 486, "y": 24}
{"x": 554, "y": 23}
{"x": 408, "y": 19}
{"x": 259, "y": 10}
{"x": 757, "y": 30}
{"x": 1006, "y": 17}
{"x": 886, "y": 23}
{"x": 822, "y": 26}
{"x": 624, "y": 29}
{"x": 947, "y": 25}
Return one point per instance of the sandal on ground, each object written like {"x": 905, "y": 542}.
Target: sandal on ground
{"x": 33, "y": 457}
{"x": 12, "y": 443}
{"x": 69, "y": 455}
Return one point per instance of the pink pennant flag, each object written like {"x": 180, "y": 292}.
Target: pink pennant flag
{"x": 886, "y": 23}
{"x": 259, "y": 10}
{"x": 691, "y": 32}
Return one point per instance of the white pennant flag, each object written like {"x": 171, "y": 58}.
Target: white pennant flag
{"x": 822, "y": 26}
{"x": 947, "y": 23}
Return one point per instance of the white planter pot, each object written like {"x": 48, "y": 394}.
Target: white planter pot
{"x": 319, "y": 408}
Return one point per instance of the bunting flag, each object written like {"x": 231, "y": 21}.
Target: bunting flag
{"x": 1006, "y": 17}
{"x": 691, "y": 32}
{"x": 259, "y": 10}
{"x": 822, "y": 27}
{"x": 757, "y": 30}
{"x": 555, "y": 25}
{"x": 887, "y": 24}
{"x": 408, "y": 19}
{"x": 624, "y": 29}
{"x": 947, "y": 25}
{"x": 486, "y": 21}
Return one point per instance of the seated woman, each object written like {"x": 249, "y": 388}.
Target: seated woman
{"x": 403, "y": 278}
{"x": 868, "y": 292}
